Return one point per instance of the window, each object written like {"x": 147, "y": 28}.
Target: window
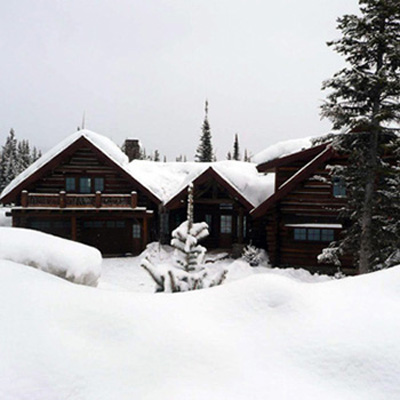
{"x": 70, "y": 184}
{"x": 136, "y": 231}
{"x": 62, "y": 224}
{"x": 314, "y": 234}
{"x": 208, "y": 219}
{"x": 84, "y": 185}
{"x": 339, "y": 187}
{"x": 115, "y": 224}
{"x": 226, "y": 206}
{"x": 98, "y": 184}
{"x": 300, "y": 234}
{"x": 226, "y": 223}
{"x": 327, "y": 235}
{"x": 93, "y": 224}
{"x": 40, "y": 225}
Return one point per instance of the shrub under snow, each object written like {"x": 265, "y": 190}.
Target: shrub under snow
{"x": 255, "y": 256}
{"x": 70, "y": 260}
{"x": 188, "y": 271}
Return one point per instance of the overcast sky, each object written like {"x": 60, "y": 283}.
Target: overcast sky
{"x": 143, "y": 68}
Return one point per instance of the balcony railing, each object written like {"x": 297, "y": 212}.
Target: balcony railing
{"x": 70, "y": 200}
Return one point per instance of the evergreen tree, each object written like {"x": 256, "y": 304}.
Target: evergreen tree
{"x": 236, "y": 153}
{"x": 205, "y": 150}
{"x": 24, "y": 156}
{"x": 36, "y": 154}
{"x": 156, "y": 155}
{"x": 229, "y": 156}
{"x": 9, "y": 164}
{"x": 364, "y": 101}
{"x": 15, "y": 157}
{"x": 189, "y": 271}
{"x": 246, "y": 157}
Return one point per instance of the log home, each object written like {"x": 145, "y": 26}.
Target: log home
{"x": 88, "y": 190}
{"x": 80, "y": 190}
{"x": 302, "y": 216}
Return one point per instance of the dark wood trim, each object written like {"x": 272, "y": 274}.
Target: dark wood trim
{"x": 287, "y": 186}
{"x": 298, "y": 156}
{"x": 209, "y": 173}
{"x": 62, "y": 156}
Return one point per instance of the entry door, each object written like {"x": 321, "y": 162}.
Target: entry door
{"x": 226, "y": 230}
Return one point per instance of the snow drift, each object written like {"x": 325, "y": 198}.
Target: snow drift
{"x": 265, "y": 337}
{"x": 73, "y": 261}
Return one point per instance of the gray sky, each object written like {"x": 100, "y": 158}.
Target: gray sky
{"x": 143, "y": 68}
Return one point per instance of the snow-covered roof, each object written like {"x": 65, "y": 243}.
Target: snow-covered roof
{"x": 164, "y": 180}
{"x": 282, "y": 149}
{"x": 101, "y": 142}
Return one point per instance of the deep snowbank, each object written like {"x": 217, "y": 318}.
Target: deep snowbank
{"x": 4, "y": 220}
{"x": 264, "y": 337}
{"x": 73, "y": 261}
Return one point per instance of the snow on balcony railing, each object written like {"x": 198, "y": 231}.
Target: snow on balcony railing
{"x": 70, "y": 200}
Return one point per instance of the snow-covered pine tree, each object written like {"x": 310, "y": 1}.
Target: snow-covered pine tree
{"x": 229, "y": 156}
{"x": 246, "y": 157}
{"x": 364, "y": 100}
{"x": 189, "y": 272}
{"x": 24, "y": 156}
{"x": 9, "y": 164}
{"x": 204, "y": 151}
{"x": 35, "y": 154}
{"x": 156, "y": 156}
{"x": 236, "y": 152}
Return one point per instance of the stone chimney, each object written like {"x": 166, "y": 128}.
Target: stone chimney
{"x": 132, "y": 149}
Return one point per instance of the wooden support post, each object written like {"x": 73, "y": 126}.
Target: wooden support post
{"x": 98, "y": 200}
{"x": 73, "y": 229}
{"x": 24, "y": 198}
{"x": 240, "y": 227}
{"x": 145, "y": 232}
{"x": 133, "y": 199}
{"x": 63, "y": 199}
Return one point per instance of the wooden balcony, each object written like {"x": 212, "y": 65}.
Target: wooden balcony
{"x": 72, "y": 200}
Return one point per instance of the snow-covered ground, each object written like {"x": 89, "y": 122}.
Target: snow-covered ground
{"x": 126, "y": 274}
{"x": 265, "y": 336}
{"x": 4, "y": 220}
{"x": 70, "y": 260}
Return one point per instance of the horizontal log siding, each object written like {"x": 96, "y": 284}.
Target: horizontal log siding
{"x": 311, "y": 201}
{"x": 84, "y": 162}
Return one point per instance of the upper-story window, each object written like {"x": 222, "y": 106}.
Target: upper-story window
{"x": 85, "y": 184}
{"x": 70, "y": 184}
{"x": 338, "y": 187}
{"x": 98, "y": 184}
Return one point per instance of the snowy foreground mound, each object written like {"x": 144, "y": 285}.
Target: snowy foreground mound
{"x": 73, "y": 261}
{"x": 265, "y": 337}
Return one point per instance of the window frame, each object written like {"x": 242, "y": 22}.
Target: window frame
{"x": 313, "y": 235}
{"x": 226, "y": 228}
{"x": 339, "y": 187}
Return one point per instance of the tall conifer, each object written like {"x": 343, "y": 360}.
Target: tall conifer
{"x": 364, "y": 101}
{"x": 204, "y": 151}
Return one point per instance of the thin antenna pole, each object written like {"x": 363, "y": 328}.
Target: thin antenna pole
{"x": 83, "y": 120}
